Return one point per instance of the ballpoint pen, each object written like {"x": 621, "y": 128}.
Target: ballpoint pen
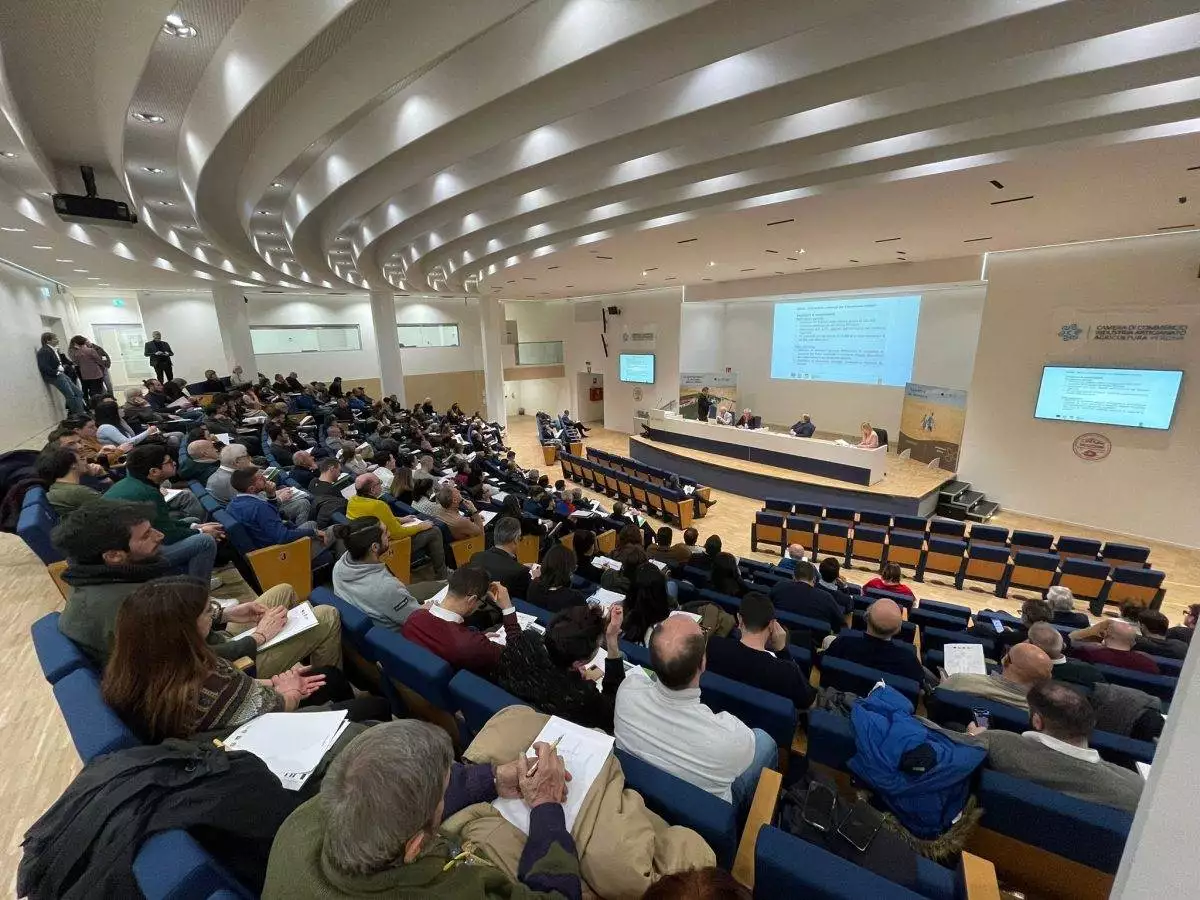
{"x": 553, "y": 746}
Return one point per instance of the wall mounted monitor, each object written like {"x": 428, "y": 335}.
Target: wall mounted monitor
{"x": 1134, "y": 398}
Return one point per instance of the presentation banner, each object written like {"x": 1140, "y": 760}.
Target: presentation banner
{"x": 721, "y": 385}
{"x": 931, "y": 424}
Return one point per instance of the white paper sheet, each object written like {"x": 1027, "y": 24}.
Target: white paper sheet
{"x": 171, "y": 493}
{"x": 605, "y": 562}
{"x": 300, "y": 618}
{"x": 440, "y": 595}
{"x": 487, "y": 515}
{"x": 291, "y": 744}
{"x": 662, "y": 566}
{"x": 581, "y": 514}
{"x": 223, "y": 438}
{"x": 348, "y": 491}
{"x": 1143, "y": 769}
{"x": 584, "y": 751}
{"x": 964, "y": 659}
{"x": 499, "y": 496}
{"x": 606, "y": 598}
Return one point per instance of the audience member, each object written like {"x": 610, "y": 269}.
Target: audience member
{"x": 1048, "y": 638}
{"x": 674, "y": 555}
{"x": 663, "y": 721}
{"x": 552, "y": 590}
{"x": 1110, "y": 642}
{"x": 1033, "y": 610}
{"x": 1154, "y": 640}
{"x": 363, "y": 580}
{"x": 829, "y": 578}
{"x": 304, "y": 469}
{"x": 147, "y": 468}
{"x": 1055, "y": 752}
{"x": 165, "y": 681}
{"x": 1062, "y": 601}
{"x": 112, "y": 429}
{"x": 760, "y": 658}
{"x": 62, "y": 468}
{"x": 557, "y": 673}
{"x": 879, "y": 648}
{"x": 583, "y": 542}
{"x": 444, "y": 506}
{"x": 698, "y": 884}
{"x": 794, "y": 554}
{"x": 1023, "y": 667}
{"x": 327, "y": 499}
{"x": 1185, "y": 631}
{"x": 52, "y": 366}
{"x": 724, "y": 577}
{"x": 113, "y": 550}
{"x": 500, "y": 560}
{"x": 647, "y": 603}
{"x": 263, "y": 524}
{"x": 802, "y": 597}
{"x": 690, "y": 536}
{"x": 712, "y": 549}
{"x": 889, "y": 580}
{"x": 203, "y": 461}
{"x": 441, "y": 628}
{"x": 631, "y": 558}
{"x": 425, "y": 536}
{"x": 372, "y": 831}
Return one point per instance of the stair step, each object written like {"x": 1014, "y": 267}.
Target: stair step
{"x": 949, "y": 491}
{"x": 949, "y": 511}
{"x": 967, "y": 499}
{"x": 983, "y": 511}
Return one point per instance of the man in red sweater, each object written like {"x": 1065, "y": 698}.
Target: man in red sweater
{"x": 441, "y": 628}
{"x": 1115, "y": 648}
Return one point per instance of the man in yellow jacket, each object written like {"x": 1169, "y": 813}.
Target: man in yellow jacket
{"x": 426, "y": 538}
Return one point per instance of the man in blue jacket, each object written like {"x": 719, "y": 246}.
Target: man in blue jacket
{"x": 804, "y": 428}
{"x": 52, "y": 366}
{"x": 262, "y": 521}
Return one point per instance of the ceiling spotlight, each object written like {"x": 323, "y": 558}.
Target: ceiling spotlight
{"x": 93, "y": 278}
{"x": 103, "y": 284}
{"x": 264, "y": 212}
{"x": 271, "y": 233}
{"x": 152, "y": 170}
{"x": 801, "y": 250}
{"x": 80, "y": 271}
{"x": 178, "y": 27}
{"x": 65, "y": 260}
{"x": 149, "y": 118}
{"x": 47, "y": 194}
{"x": 10, "y": 228}
{"x": 189, "y": 228}
{"x": 166, "y": 202}
{"x": 41, "y": 247}
{"x": 276, "y": 184}
{"x": 8, "y": 154}
{"x": 711, "y": 263}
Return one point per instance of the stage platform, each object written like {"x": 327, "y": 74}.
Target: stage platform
{"x": 909, "y": 488}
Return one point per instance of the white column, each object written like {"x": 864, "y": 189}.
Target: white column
{"x": 387, "y": 343}
{"x": 491, "y": 324}
{"x": 1158, "y": 861}
{"x": 233, "y": 321}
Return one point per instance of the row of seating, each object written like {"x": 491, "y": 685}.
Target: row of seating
{"x": 1067, "y": 547}
{"x": 962, "y": 560}
{"x": 663, "y": 502}
{"x": 653, "y": 474}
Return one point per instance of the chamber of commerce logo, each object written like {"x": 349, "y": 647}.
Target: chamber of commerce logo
{"x": 1070, "y": 332}
{"x": 1092, "y": 447}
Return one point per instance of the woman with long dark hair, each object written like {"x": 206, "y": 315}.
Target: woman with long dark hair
{"x": 111, "y": 427}
{"x": 646, "y": 603}
{"x": 552, "y": 589}
{"x": 165, "y": 681}
{"x": 724, "y": 577}
{"x": 89, "y": 363}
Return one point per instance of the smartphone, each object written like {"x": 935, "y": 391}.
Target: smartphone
{"x": 860, "y": 826}
{"x": 982, "y": 717}
{"x": 998, "y": 625}
{"x": 818, "y": 807}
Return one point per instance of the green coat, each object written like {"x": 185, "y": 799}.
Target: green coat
{"x": 297, "y": 870}
{"x": 138, "y": 491}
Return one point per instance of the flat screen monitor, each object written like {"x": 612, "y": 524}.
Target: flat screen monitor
{"x": 1135, "y": 398}
{"x": 637, "y": 368}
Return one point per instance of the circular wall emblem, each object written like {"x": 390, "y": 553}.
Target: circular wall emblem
{"x": 637, "y": 394}
{"x": 1092, "y": 447}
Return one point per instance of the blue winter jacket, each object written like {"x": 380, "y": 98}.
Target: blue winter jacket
{"x": 884, "y": 730}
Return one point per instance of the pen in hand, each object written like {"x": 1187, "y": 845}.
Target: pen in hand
{"x": 553, "y": 746}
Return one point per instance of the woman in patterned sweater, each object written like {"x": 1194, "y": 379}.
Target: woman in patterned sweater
{"x": 166, "y": 682}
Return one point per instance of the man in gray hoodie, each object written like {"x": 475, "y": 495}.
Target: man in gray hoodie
{"x": 361, "y": 579}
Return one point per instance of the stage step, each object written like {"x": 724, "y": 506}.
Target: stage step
{"x": 949, "y": 492}
{"x": 983, "y": 510}
{"x": 966, "y": 499}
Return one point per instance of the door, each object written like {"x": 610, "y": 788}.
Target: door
{"x": 125, "y": 344}
{"x": 591, "y": 397}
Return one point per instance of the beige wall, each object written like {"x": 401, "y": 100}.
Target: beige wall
{"x": 1150, "y": 483}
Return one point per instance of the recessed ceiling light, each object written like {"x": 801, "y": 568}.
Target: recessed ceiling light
{"x": 152, "y": 170}
{"x": 65, "y": 260}
{"x": 271, "y": 233}
{"x": 189, "y": 227}
{"x": 149, "y": 118}
{"x": 178, "y": 27}
{"x": 103, "y": 284}
{"x": 41, "y": 247}
{"x": 81, "y": 271}
{"x": 276, "y": 184}
{"x": 711, "y": 263}
{"x": 165, "y": 202}
{"x": 8, "y": 154}
{"x": 264, "y": 212}
{"x": 93, "y": 278}
{"x": 801, "y": 250}
{"x": 46, "y": 194}
{"x": 10, "y": 228}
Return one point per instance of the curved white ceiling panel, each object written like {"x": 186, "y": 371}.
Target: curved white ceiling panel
{"x": 547, "y": 148}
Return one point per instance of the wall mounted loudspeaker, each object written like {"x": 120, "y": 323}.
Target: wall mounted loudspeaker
{"x": 614, "y": 310}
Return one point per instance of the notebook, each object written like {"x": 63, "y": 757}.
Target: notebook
{"x": 964, "y": 659}
{"x": 291, "y": 744}
{"x": 300, "y": 619}
{"x": 584, "y": 751}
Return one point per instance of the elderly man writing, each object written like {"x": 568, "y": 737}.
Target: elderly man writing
{"x": 425, "y": 537}
{"x": 373, "y": 830}
{"x": 293, "y": 505}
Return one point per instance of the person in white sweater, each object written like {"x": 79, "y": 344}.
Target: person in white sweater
{"x": 663, "y": 722}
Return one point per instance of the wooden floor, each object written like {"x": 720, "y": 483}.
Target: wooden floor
{"x": 38, "y": 760}
{"x": 904, "y": 478}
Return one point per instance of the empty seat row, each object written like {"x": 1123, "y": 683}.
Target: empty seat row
{"x": 659, "y": 500}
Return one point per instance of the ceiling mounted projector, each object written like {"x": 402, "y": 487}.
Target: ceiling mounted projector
{"x": 93, "y": 210}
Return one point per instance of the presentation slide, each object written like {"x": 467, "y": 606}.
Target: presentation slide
{"x": 855, "y": 340}
{"x": 637, "y": 368}
{"x": 1138, "y": 398}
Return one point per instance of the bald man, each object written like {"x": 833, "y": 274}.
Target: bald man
{"x": 664, "y": 723}
{"x": 199, "y": 462}
{"x": 878, "y": 647}
{"x": 1023, "y": 667}
{"x": 1110, "y": 642}
{"x": 426, "y": 539}
{"x": 1073, "y": 671}
{"x": 303, "y": 468}
{"x": 795, "y": 554}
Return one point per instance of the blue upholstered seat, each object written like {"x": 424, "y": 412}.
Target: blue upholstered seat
{"x": 171, "y": 865}
{"x": 478, "y": 699}
{"x": 58, "y": 654}
{"x": 95, "y": 729}
{"x": 418, "y": 669}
